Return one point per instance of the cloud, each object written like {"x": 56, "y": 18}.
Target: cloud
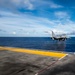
{"x": 23, "y": 25}
{"x": 15, "y": 5}
{"x": 54, "y": 5}
{"x": 1, "y": 30}
{"x": 62, "y": 14}
{"x": 13, "y": 21}
{"x": 26, "y": 4}
{"x": 14, "y": 32}
{"x": 29, "y": 25}
{"x": 67, "y": 27}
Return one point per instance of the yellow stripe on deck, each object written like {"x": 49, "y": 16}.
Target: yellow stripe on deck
{"x": 38, "y": 52}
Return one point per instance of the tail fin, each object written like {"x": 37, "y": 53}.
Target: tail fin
{"x": 53, "y": 35}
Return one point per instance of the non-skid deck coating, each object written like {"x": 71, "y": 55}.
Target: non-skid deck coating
{"x": 38, "y": 52}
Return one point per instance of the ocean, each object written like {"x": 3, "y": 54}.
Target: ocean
{"x": 40, "y": 43}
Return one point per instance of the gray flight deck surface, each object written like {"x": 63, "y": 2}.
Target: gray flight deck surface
{"x": 17, "y": 63}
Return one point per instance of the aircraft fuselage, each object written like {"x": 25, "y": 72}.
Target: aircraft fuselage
{"x": 59, "y": 39}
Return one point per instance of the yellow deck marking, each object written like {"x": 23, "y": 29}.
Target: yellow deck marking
{"x": 38, "y": 52}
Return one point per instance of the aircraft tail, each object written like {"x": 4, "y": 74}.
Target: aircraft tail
{"x": 53, "y": 35}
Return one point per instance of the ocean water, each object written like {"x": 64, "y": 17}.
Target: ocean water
{"x": 41, "y": 43}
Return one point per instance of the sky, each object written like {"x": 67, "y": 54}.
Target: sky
{"x": 32, "y": 18}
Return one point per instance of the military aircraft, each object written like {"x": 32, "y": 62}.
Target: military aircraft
{"x": 60, "y": 37}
